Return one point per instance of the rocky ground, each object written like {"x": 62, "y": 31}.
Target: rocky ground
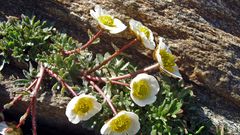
{"x": 203, "y": 34}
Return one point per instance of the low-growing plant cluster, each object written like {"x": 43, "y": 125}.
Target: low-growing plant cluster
{"x": 110, "y": 95}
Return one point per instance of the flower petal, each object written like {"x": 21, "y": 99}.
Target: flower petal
{"x": 144, "y": 102}
{"x": 153, "y": 88}
{"x": 135, "y": 126}
{"x": 136, "y": 27}
{"x": 98, "y": 10}
{"x": 176, "y": 72}
{"x": 76, "y": 117}
{"x": 116, "y": 28}
{"x": 119, "y": 27}
{"x": 132, "y": 129}
{"x": 105, "y": 130}
{"x": 94, "y": 14}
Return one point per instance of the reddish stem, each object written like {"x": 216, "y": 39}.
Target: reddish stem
{"x": 103, "y": 79}
{"x": 119, "y": 83}
{"x": 33, "y": 113}
{"x": 99, "y": 79}
{"x": 28, "y": 109}
{"x": 20, "y": 96}
{"x": 22, "y": 121}
{"x": 147, "y": 69}
{"x": 33, "y": 99}
{"x": 90, "y": 41}
{"x": 38, "y": 83}
{"x": 112, "y": 56}
{"x": 51, "y": 73}
{"x": 104, "y": 96}
{"x": 31, "y": 85}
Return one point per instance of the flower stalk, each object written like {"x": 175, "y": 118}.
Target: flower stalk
{"x": 130, "y": 75}
{"x": 134, "y": 41}
{"x": 24, "y": 117}
{"x": 100, "y": 79}
{"x": 104, "y": 96}
{"x": 33, "y": 99}
{"x": 90, "y": 41}
{"x": 54, "y": 75}
{"x": 18, "y": 98}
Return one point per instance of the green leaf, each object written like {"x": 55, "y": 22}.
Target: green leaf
{"x": 21, "y": 82}
{"x": 199, "y": 130}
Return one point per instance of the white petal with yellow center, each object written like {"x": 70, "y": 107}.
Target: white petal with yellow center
{"x": 143, "y": 33}
{"x": 124, "y": 123}
{"x": 82, "y": 108}
{"x": 166, "y": 59}
{"x": 144, "y": 88}
{"x": 106, "y": 21}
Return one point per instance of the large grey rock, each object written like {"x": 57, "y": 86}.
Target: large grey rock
{"x": 203, "y": 34}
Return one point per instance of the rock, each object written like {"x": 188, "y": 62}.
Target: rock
{"x": 51, "y": 117}
{"x": 203, "y": 34}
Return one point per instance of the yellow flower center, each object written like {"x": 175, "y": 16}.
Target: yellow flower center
{"x": 106, "y": 20}
{"x": 83, "y": 106}
{"x": 168, "y": 60}
{"x": 141, "y": 89}
{"x": 145, "y": 30}
{"x": 121, "y": 123}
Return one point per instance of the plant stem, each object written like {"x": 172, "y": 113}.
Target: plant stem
{"x": 31, "y": 85}
{"x": 90, "y": 41}
{"x": 23, "y": 118}
{"x": 119, "y": 83}
{"x": 14, "y": 101}
{"x": 18, "y": 98}
{"x": 51, "y": 73}
{"x": 130, "y": 75}
{"x": 104, "y": 96}
{"x": 33, "y": 113}
{"x": 99, "y": 79}
{"x": 112, "y": 56}
{"x": 33, "y": 99}
{"x": 103, "y": 79}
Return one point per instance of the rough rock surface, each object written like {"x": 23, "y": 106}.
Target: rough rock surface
{"x": 50, "y": 108}
{"x": 203, "y": 34}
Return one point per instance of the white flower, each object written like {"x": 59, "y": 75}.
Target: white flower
{"x": 166, "y": 59}
{"x": 144, "y": 88}
{"x": 124, "y": 123}
{"x": 143, "y": 33}
{"x": 81, "y": 108}
{"x": 107, "y": 21}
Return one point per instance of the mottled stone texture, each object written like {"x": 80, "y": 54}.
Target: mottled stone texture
{"x": 203, "y": 34}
